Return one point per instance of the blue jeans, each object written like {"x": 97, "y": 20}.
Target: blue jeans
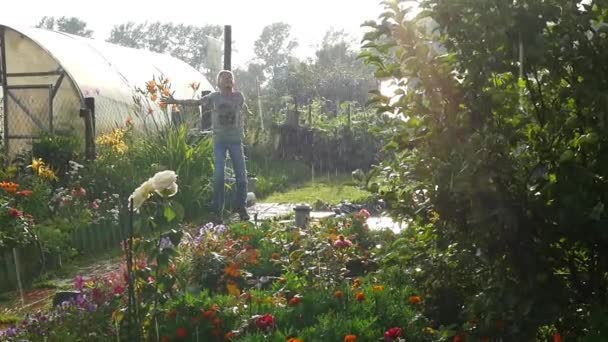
{"x": 238, "y": 163}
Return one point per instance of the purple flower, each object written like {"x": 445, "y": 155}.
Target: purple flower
{"x": 165, "y": 242}
{"x": 10, "y": 332}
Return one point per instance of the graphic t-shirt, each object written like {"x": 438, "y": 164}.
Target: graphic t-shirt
{"x": 226, "y": 115}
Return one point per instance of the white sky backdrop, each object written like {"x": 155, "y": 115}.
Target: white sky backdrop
{"x": 309, "y": 19}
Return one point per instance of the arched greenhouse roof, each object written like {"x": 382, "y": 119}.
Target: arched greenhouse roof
{"x": 74, "y": 68}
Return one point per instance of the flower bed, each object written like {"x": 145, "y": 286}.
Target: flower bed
{"x": 241, "y": 282}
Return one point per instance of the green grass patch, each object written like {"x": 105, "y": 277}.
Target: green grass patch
{"x": 331, "y": 191}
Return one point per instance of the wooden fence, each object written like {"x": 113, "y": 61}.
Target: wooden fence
{"x": 90, "y": 240}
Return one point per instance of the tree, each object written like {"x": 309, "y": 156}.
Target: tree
{"x": 340, "y": 75}
{"x": 274, "y": 47}
{"x": 496, "y": 158}
{"x": 195, "y": 45}
{"x": 70, "y": 25}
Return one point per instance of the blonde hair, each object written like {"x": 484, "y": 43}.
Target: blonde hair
{"x": 224, "y": 72}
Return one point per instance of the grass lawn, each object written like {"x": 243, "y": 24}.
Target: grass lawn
{"x": 328, "y": 191}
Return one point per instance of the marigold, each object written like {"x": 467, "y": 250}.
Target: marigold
{"x": 360, "y": 296}
{"x": 293, "y": 339}
{"x": 350, "y": 338}
{"x": 232, "y": 270}
{"x": 338, "y": 294}
{"x": 415, "y": 300}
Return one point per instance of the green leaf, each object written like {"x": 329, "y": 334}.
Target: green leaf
{"x": 169, "y": 214}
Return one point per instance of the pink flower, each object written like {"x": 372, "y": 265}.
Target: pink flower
{"x": 363, "y": 213}
{"x": 80, "y": 192}
{"x": 342, "y": 242}
{"x": 118, "y": 289}
{"x": 392, "y": 334}
{"x": 79, "y": 283}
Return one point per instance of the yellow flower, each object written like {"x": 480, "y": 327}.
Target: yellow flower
{"x": 233, "y": 289}
{"x": 37, "y": 163}
{"x": 378, "y": 288}
{"x": 46, "y": 173}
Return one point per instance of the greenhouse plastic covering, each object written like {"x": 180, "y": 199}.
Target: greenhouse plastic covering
{"x": 107, "y": 72}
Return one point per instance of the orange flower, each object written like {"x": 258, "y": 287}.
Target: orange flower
{"x": 245, "y": 238}
{"x": 350, "y": 338}
{"x": 9, "y": 186}
{"x": 415, "y": 300}
{"x": 151, "y": 85}
{"x": 232, "y": 270}
{"x": 229, "y": 336}
{"x": 338, "y": 294}
{"x": 357, "y": 283}
{"x": 275, "y": 256}
{"x": 252, "y": 257}
{"x": 293, "y": 339}
{"x": 166, "y": 92}
{"x": 360, "y": 296}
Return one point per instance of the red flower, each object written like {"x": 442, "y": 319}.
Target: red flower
{"x": 459, "y": 338}
{"x": 295, "y": 301}
{"x": 25, "y": 193}
{"x": 264, "y": 322}
{"x": 557, "y": 337}
{"x": 181, "y": 332}
{"x": 209, "y": 314}
{"x": 14, "y": 212}
{"x": 392, "y": 334}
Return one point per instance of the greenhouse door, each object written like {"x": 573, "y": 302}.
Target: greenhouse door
{"x": 28, "y": 112}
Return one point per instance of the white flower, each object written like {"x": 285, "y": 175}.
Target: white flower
{"x": 163, "y": 183}
{"x": 168, "y": 192}
{"x": 164, "y": 179}
{"x": 141, "y": 194}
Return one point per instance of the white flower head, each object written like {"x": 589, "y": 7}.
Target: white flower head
{"x": 164, "y": 179}
{"x": 163, "y": 183}
{"x": 168, "y": 192}
{"x": 141, "y": 194}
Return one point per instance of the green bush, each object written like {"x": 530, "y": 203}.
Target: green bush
{"x": 499, "y": 170}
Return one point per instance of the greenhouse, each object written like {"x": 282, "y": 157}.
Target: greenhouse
{"x": 51, "y": 80}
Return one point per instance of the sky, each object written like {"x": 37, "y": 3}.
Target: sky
{"x": 309, "y": 19}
